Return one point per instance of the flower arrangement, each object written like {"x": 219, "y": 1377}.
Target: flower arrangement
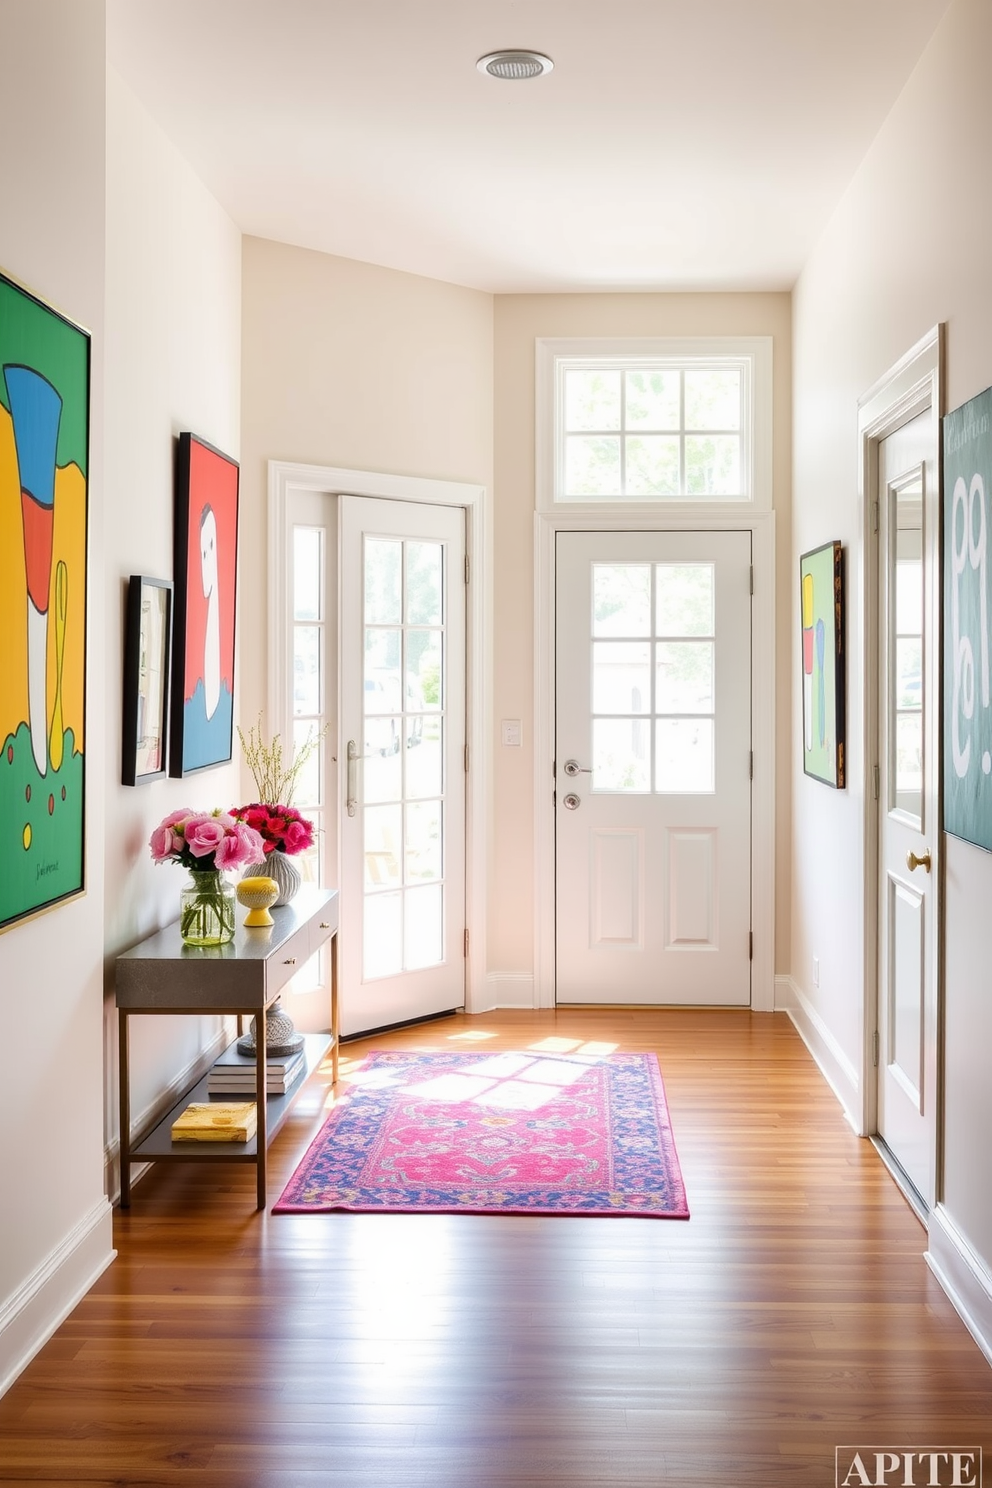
{"x": 275, "y": 779}
{"x": 280, "y": 828}
{"x": 210, "y": 841}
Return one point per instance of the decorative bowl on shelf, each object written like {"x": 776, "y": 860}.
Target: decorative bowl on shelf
{"x": 258, "y": 896}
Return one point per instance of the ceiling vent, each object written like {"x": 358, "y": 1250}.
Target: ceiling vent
{"x": 511, "y": 66}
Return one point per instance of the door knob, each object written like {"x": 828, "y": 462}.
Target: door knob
{"x": 913, "y": 862}
{"x": 571, "y": 802}
{"x": 572, "y": 768}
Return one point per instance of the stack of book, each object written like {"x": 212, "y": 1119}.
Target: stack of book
{"x": 234, "y": 1073}
{"x": 215, "y": 1121}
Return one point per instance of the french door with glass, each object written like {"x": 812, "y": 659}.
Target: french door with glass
{"x": 401, "y": 761}
{"x": 652, "y": 769}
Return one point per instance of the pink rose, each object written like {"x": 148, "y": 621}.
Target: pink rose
{"x": 176, "y": 816}
{"x": 204, "y": 834}
{"x": 163, "y": 843}
{"x": 241, "y": 845}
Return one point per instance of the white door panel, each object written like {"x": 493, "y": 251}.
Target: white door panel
{"x": 402, "y": 744}
{"x": 907, "y": 800}
{"x": 653, "y": 731}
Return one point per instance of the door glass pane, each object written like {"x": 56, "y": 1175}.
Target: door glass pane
{"x": 423, "y": 583}
{"x": 621, "y": 754}
{"x": 383, "y": 846}
{"x": 684, "y": 682}
{"x": 306, "y": 669}
{"x": 423, "y": 841}
{"x": 684, "y": 756}
{"x": 402, "y": 768}
{"x": 307, "y": 573}
{"x": 423, "y": 692}
{"x": 904, "y": 670}
{"x": 383, "y": 576}
{"x": 383, "y": 951}
{"x": 424, "y": 927}
{"x": 621, "y": 599}
{"x": 424, "y": 758}
{"x": 621, "y": 677}
{"x": 684, "y": 599}
{"x": 306, "y": 789}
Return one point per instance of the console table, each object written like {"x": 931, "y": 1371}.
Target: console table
{"x": 246, "y": 976}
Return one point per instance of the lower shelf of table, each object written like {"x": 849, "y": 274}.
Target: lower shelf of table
{"x": 157, "y": 1143}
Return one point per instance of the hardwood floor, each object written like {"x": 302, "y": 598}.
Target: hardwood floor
{"x": 793, "y": 1313}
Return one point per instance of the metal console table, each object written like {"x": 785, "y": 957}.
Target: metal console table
{"x": 246, "y": 976}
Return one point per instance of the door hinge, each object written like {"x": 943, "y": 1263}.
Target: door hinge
{"x": 750, "y": 945}
{"x": 874, "y": 1048}
{"x": 465, "y": 758}
{"x": 874, "y": 516}
{"x": 465, "y": 942}
{"x": 467, "y": 568}
{"x": 876, "y": 781}
{"x": 751, "y": 580}
{"x": 750, "y": 764}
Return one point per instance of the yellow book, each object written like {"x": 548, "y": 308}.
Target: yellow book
{"x": 215, "y": 1121}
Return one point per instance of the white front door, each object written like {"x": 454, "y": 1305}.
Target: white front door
{"x": 652, "y": 772}
{"x": 907, "y": 1023}
{"x": 401, "y": 761}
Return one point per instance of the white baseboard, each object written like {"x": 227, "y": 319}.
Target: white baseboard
{"x": 833, "y": 1063}
{"x": 963, "y": 1276}
{"x": 30, "y": 1317}
{"x": 509, "y": 989}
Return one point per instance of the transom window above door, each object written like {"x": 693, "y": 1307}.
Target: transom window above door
{"x": 654, "y": 422}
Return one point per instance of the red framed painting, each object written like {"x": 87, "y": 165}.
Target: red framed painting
{"x": 206, "y": 568}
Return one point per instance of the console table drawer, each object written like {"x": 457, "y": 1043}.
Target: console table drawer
{"x": 322, "y": 928}
{"x": 287, "y": 962}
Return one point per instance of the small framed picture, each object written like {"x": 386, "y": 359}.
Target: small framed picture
{"x": 147, "y": 648}
{"x": 821, "y": 578}
{"x": 201, "y": 727}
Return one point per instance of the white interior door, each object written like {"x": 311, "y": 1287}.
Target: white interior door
{"x": 402, "y": 740}
{"x": 652, "y": 748}
{"x": 907, "y": 1023}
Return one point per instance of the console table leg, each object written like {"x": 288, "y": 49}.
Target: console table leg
{"x": 125, "y": 1116}
{"x": 261, "y": 1112}
{"x": 335, "y": 1032}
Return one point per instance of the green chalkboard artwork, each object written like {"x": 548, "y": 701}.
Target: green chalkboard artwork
{"x": 967, "y": 610}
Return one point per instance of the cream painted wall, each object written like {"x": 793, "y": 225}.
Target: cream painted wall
{"x": 55, "y": 1223}
{"x": 520, "y": 320}
{"x": 173, "y": 344}
{"x": 907, "y": 247}
{"x": 358, "y": 367}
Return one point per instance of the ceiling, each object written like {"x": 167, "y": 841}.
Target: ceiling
{"x": 678, "y": 144}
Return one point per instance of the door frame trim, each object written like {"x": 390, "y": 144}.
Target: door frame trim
{"x": 761, "y": 525}
{"x": 914, "y": 384}
{"x": 286, "y": 476}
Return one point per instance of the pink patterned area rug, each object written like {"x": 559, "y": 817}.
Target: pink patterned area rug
{"x": 534, "y": 1132}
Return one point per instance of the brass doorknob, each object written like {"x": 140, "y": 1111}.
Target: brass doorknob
{"x": 912, "y": 861}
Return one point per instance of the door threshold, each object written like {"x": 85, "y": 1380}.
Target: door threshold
{"x": 903, "y": 1182}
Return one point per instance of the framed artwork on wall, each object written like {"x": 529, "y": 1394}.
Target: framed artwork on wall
{"x": 821, "y": 582}
{"x": 147, "y": 642}
{"x": 206, "y": 565}
{"x": 44, "y": 475}
{"x": 967, "y": 610}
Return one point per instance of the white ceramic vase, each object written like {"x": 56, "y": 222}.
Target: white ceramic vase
{"x": 285, "y": 872}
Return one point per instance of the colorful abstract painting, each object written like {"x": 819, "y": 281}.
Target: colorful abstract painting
{"x": 967, "y": 692}
{"x": 206, "y": 564}
{"x": 822, "y": 605}
{"x": 44, "y": 455}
